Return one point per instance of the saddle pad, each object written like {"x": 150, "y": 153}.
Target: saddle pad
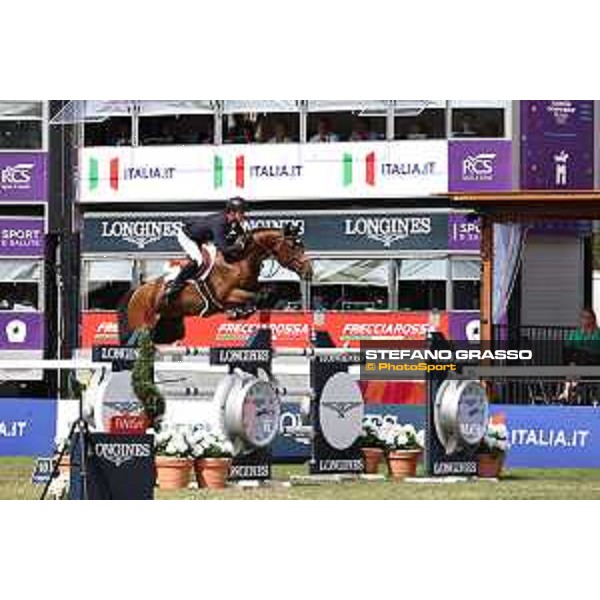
{"x": 209, "y": 256}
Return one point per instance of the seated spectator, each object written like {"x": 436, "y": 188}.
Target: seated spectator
{"x": 241, "y": 132}
{"x": 416, "y": 131}
{"x": 361, "y": 130}
{"x": 467, "y": 127}
{"x": 280, "y": 133}
{"x": 324, "y": 133}
{"x": 122, "y": 136}
{"x": 583, "y": 345}
{"x": 164, "y": 137}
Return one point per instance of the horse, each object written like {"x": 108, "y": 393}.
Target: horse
{"x": 231, "y": 288}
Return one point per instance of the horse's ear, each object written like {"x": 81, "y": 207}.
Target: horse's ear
{"x": 291, "y": 231}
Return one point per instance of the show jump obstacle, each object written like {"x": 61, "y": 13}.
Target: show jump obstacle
{"x": 245, "y": 406}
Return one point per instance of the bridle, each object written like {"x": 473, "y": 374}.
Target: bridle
{"x": 295, "y": 262}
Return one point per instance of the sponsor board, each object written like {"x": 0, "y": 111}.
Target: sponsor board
{"x": 349, "y": 231}
{"x": 265, "y": 172}
{"x": 21, "y": 331}
{"x": 119, "y": 467}
{"x": 552, "y": 437}
{"x": 23, "y": 177}
{"x": 27, "y": 426}
{"x": 287, "y": 329}
{"x": 464, "y": 232}
{"x": 21, "y": 237}
{"x": 544, "y": 437}
{"x": 481, "y": 165}
{"x": 557, "y": 144}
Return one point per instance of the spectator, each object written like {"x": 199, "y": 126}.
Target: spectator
{"x": 416, "y": 132}
{"x": 242, "y": 131}
{"x": 324, "y": 133}
{"x": 164, "y": 136}
{"x": 280, "y": 133}
{"x": 467, "y": 126}
{"x": 583, "y": 344}
{"x": 122, "y": 136}
{"x": 361, "y": 130}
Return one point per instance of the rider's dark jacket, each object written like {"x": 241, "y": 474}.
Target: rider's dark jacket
{"x": 216, "y": 229}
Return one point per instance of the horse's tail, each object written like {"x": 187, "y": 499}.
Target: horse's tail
{"x": 123, "y": 317}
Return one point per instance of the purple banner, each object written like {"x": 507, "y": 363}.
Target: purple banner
{"x": 464, "y": 233}
{"x": 21, "y": 237}
{"x": 464, "y": 326}
{"x": 480, "y": 165}
{"x": 557, "y": 144}
{"x": 23, "y": 176}
{"x": 21, "y": 331}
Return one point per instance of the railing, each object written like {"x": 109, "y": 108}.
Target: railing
{"x": 550, "y": 348}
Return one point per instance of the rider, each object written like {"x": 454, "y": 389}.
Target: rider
{"x": 224, "y": 230}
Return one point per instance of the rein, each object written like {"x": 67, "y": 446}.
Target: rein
{"x": 272, "y": 253}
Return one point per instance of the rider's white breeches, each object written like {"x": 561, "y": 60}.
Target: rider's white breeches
{"x": 190, "y": 247}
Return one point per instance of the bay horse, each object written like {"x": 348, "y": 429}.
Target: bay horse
{"x": 231, "y": 288}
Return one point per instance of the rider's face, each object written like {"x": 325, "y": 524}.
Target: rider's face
{"x": 235, "y": 216}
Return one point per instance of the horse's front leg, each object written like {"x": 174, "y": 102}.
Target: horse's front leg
{"x": 241, "y": 304}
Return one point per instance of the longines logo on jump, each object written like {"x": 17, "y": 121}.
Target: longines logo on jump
{"x": 141, "y": 233}
{"x": 388, "y": 230}
{"x": 119, "y": 454}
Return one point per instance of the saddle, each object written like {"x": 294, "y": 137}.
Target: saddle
{"x": 209, "y": 259}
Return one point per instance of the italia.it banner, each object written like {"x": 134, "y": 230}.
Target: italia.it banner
{"x": 265, "y": 172}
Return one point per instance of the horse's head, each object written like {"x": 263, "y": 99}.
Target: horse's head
{"x": 286, "y": 247}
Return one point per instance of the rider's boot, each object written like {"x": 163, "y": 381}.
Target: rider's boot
{"x": 175, "y": 287}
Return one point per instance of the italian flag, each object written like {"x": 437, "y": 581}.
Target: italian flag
{"x": 370, "y": 163}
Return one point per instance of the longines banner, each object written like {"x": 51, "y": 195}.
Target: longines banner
{"x": 268, "y": 172}
{"x": 152, "y": 233}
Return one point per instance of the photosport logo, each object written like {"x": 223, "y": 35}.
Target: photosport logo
{"x": 387, "y": 230}
{"x": 479, "y": 167}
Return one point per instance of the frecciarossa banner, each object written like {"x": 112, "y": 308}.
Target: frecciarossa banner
{"x": 289, "y": 329}
{"x": 264, "y": 172}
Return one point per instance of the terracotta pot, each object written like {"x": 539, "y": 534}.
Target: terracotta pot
{"x": 490, "y": 465}
{"x": 373, "y": 458}
{"x": 172, "y": 473}
{"x": 212, "y": 473}
{"x": 403, "y": 463}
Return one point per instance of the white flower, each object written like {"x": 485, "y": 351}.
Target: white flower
{"x": 402, "y": 440}
{"x": 410, "y": 430}
{"x": 171, "y": 449}
{"x": 421, "y": 438}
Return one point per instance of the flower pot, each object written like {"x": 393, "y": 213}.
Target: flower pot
{"x": 403, "y": 463}
{"x": 212, "y": 473}
{"x": 490, "y": 465}
{"x": 373, "y": 457}
{"x": 172, "y": 473}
